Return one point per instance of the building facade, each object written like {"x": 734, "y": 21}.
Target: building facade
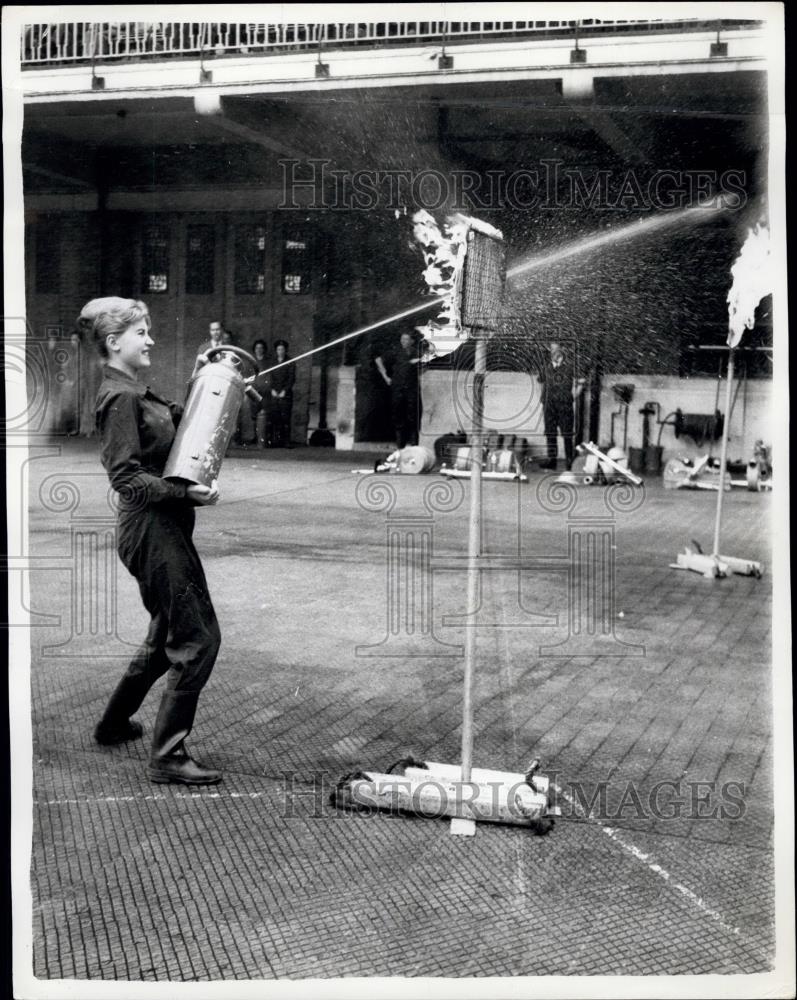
{"x": 266, "y": 175}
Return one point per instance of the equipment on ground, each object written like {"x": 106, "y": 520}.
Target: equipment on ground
{"x": 759, "y": 470}
{"x": 704, "y": 474}
{"x": 498, "y": 464}
{"x": 684, "y": 474}
{"x": 699, "y": 426}
{"x": 624, "y": 393}
{"x": 413, "y": 460}
{"x": 410, "y": 461}
{"x": 713, "y": 567}
{"x": 612, "y": 465}
{"x": 648, "y": 457}
{"x": 434, "y": 789}
{"x": 447, "y": 445}
{"x": 709, "y": 566}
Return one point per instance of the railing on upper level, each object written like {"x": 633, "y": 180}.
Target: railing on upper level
{"x": 81, "y": 42}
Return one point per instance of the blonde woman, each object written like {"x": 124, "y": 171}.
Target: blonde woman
{"x": 156, "y": 520}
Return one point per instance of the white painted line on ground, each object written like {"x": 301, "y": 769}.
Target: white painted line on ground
{"x": 610, "y": 832}
{"x": 148, "y": 798}
{"x": 652, "y": 865}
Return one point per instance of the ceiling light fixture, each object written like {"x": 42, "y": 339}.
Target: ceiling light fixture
{"x": 444, "y": 60}
{"x": 321, "y": 68}
{"x": 577, "y": 55}
{"x": 719, "y": 49}
{"x": 206, "y": 102}
{"x": 205, "y": 75}
{"x": 97, "y": 82}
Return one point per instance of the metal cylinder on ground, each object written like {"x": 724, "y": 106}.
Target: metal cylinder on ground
{"x": 462, "y": 458}
{"x": 415, "y": 459}
{"x": 481, "y": 775}
{"x": 433, "y": 795}
{"x": 636, "y": 460}
{"x": 653, "y": 459}
{"x": 505, "y": 461}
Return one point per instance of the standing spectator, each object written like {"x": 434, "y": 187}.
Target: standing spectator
{"x": 401, "y": 371}
{"x": 249, "y": 432}
{"x": 262, "y": 385}
{"x": 218, "y": 336}
{"x": 560, "y": 388}
{"x": 280, "y": 397}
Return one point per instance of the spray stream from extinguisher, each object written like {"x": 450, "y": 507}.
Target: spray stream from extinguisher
{"x": 583, "y": 245}
{"x": 413, "y": 311}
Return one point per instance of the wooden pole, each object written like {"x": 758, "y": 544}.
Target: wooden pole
{"x": 474, "y": 552}
{"x": 723, "y": 454}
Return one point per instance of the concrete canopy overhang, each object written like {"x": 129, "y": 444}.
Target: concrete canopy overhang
{"x": 147, "y": 141}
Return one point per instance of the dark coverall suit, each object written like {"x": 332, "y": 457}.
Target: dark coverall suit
{"x": 156, "y": 522}
{"x": 558, "y": 407}
{"x": 405, "y": 396}
{"x": 279, "y": 409}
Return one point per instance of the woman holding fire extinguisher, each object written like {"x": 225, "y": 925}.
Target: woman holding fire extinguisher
{"x": 156, "y": 521}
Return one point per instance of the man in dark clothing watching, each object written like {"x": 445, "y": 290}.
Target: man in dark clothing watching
{"x": 217, "y": 337}
{"x": 401, "y": 371}
{"x": 560, "y": 389}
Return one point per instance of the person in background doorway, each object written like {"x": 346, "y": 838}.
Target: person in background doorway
{"x": 218, "y": 336}
{"x": 261, "y": 384}
{"x": 280, "y": 398}
{"x": 560, "y": 389}
{"x": 401, "y": 370}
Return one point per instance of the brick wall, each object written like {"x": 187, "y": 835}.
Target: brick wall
{"x": 72, "y": 257}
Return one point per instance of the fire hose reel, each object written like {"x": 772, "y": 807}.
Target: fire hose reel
{"x": 699, "y": 426}
{"x": 210, "y": 416}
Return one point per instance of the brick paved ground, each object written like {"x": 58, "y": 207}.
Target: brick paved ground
{"x": 261, "y": 878}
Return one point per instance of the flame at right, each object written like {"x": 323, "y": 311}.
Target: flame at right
{"x": 752, "y": 280}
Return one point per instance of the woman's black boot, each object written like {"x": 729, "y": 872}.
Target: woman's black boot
{"x": 169, "y": 761}
{"x": 116, "y": 726}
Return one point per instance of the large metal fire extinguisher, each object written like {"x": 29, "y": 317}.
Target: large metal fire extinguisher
{"x": 210, "y": 416}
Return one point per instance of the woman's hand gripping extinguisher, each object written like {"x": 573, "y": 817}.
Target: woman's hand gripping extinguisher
{"x": 210, "y": 416}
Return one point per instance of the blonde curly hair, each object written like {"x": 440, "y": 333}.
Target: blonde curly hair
{"x": 101, "y": 318}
